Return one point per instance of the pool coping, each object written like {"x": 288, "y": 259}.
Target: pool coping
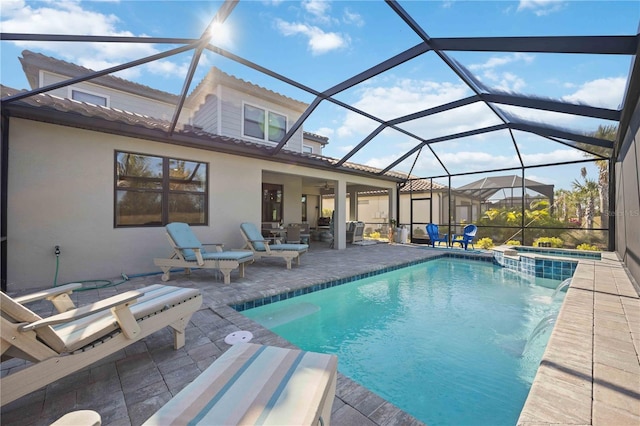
{"x": 590, "y": 371}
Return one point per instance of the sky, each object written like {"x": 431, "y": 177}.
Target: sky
{"x": 322, "y": 43}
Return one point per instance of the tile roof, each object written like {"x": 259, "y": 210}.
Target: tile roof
{"x": 421, "y": 185}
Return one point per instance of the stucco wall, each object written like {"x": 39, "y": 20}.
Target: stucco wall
{"x": 61, "y": 193}
{"x": 627, "y": 211}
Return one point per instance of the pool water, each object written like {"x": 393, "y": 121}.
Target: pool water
{"x": 443, "y": 340}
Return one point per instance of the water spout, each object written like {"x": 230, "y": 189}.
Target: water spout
{"x": 544, "y": 324}
{"x": 562, "y": 285}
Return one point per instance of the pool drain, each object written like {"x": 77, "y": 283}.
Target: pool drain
{"x": 238, "y": 337}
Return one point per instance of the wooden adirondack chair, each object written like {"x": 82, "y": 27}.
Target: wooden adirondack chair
{"x": 75, "y": 338}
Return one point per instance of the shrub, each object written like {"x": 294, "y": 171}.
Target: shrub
{"x": 485, "y": 243}
{"x": 587, "y": 246}
{"x": 548, "y": 242}
{"x": 513, "y": 243}
{"x": 374, "y": 235}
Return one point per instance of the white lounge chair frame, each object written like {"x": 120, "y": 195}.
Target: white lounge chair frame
{"x": 178, "y": 260}
{"x": 279, "y": 250}
{"x": 75, "y": 338}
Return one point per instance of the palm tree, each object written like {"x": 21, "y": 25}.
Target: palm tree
{"x": 562, "y": 199}
{"x": 608, "y": 133}
{"x": 587, "y": 191}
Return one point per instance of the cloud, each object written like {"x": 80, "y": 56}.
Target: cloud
{"x": 499, "y": 61}
{"x": 69, "y": 17}
{"x": 542, "y": 7}
{"x": 317, "y": 8}
{"x": 504, "y": 80}
{"x": 400, "y": 97}
{"x": 603, "y": 92}
{"x": 324, "y": 131}
{"x": 553, "y": 156}
{"x": 353, "y": 18}
{"x": 319, "y": 42}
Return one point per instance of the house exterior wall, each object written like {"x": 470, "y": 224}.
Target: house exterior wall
{"x": 207, "y": 115}
{"x": 117, "y": 99}
{"x": 232, "y": 116}
{"x": 62, "y": 193}
{"x": 627, "y": 199}
{"x": 316, "y": 147}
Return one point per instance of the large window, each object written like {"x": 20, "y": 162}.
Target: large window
{"x": 263, "y": 124}
{"x": 153, "y": 190}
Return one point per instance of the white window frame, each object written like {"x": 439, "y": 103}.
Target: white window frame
{"x": 267, "y": 111}
{"x": 90, "y": 93}
{"x": 307, "y": 148}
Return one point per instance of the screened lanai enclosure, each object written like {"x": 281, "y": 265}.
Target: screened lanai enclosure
{"x": 477, "y": 121}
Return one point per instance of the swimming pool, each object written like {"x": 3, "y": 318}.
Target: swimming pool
{"x": 442, "y": 340}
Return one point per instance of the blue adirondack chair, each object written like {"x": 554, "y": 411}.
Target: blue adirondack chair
{"x": 434, "y": 235}
{"x": 468, "y": 234}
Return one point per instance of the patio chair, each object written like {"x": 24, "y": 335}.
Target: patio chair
{"x": 75, "y": 338}
{"x": 305, "y": 233}
{"x": 189, "y": 252}
{"x": 434, "y": 235}
{"x": 261, "y": 247}
{"x": 355, "y": 231}
{"x": 468, "y": 234}
{"x": 293, "y": 234}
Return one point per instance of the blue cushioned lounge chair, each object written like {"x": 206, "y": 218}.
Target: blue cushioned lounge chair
{"x": 189, "y": 252}
{"x": 262, "y": 248}
{"x": 468, "y": 234}
{"x": 434, "y": 235}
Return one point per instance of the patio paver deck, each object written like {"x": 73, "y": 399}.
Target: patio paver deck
{"x": 128, "y": 387}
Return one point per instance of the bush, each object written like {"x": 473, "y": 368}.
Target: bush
{"x": 548, "y": 242}
{"x": 374, "y": 235}
{"x": 587, "y": 246}
{"x": 513, "y": 243}
{"x": 485, "y": 243}
{"x": 576, "y": 237}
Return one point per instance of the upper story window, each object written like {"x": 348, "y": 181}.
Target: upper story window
{"x": 263, "y": 124}
{"x": 307, "y": 149}
{"x": 153, "y": 191}
{"x": 90, "y": 98}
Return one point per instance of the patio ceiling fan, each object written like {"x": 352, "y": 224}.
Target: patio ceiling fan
{"x": 325, "y": 188}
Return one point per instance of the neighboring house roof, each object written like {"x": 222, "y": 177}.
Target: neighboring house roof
{"x": 416, "y": 185}
{"x": 68, "y": 112}
{"x": 33, "y": 62}
{"x": 485, "y": 188}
